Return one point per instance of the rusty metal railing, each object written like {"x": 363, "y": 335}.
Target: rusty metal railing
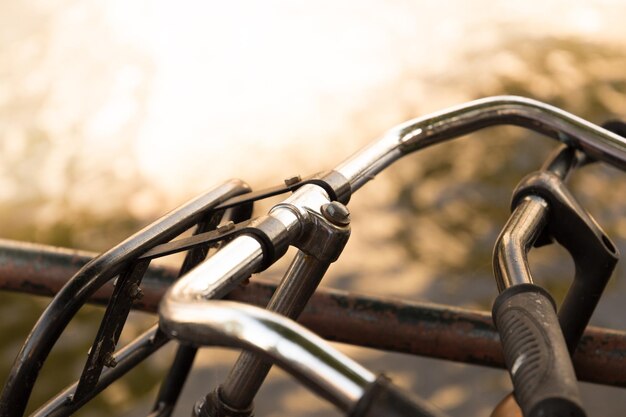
{"x": 426, "y": 329}
{"x": 314, "y": 220}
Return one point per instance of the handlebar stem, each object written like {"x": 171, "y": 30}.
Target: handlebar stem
{"x": 219, "y": 274}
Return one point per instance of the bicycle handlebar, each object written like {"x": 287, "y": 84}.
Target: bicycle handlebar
{"x": 227, "y": 267}
{"x": 244, "y": 255}
{"x": 595, "y": 141}
{"x": 536, "y": 350}
{"x": 305, "y": 355}
{"x": 286, "y": 222}
{"x": 525, "y": 315}
{"x": 217, "y": 275}
{"x": 301, "y": 352}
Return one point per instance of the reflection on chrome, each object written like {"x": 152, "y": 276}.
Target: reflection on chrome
{"x": 305, "y": 355}
{"x": 510, "y": 258}
{"x": 596, "y": 142}
{"x": 186, "y": 316}
{"x": 220, "y": 273}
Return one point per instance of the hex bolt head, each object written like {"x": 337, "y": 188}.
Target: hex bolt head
{"x": 293, "y": 180}
{"x": 135, "y": 292}
{"x": 227, "y": 227}
{"x": 336, "y": 213}
{"x": 109, "y": 361}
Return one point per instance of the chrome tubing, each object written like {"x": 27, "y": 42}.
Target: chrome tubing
{"x": 422, "y": 132}
{"x": 292, "y": 294}
{"x": 297, "y": 350}
{"x": 240, "y": 258}
{"x": 221, "y": 273}
{"x": 216, "y": 276}
{"x": 510, "y": 253}
{"x": 244, "y": 255}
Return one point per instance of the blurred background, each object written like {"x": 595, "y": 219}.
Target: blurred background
{"x": 113, "y": 113}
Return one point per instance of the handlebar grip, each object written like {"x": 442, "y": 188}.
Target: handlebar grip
{"x": 383, "y": 399}
{"x": 535, "y": 353}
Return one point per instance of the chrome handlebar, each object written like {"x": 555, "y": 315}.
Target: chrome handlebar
{"x": 299, "y": 351}
{"x": 243, "y": 256}
{"x": 186, "y": 315}
{"x": 422, "y": 132}
{"x": 221, "y": 273}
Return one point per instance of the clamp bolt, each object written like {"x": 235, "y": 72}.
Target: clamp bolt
{"x": 226, "y": 227}
{"x": 109, "y": 361}
{"x": 135, "y": 292}
{"x": 336, "y": 213}
{"x": 293, "y": 180}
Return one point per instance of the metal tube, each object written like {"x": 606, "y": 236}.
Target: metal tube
{"x": 127, "y": 358}
{"x": 250, "y": 370}
{"x": 172, "y": 384}
{"x": 219, "y": 274}
{"x": 563, "y": 161}
{"x": 90, "y": 278}
{"x": 236, "y": 261}
{"x": 408, "y": 327}
{"x": 511, "y": 249}
{"x": 435, "y": 128}
{"x": 174, "y": 380}
{"x": 305, "y": 355}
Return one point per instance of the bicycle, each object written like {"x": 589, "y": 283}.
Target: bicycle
{"x": 315, "y": 220}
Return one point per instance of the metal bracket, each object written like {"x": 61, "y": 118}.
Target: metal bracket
{"x": 593, "y": 252}
{"x": 532, "y": 335}
{"x": 325, "y": 237}
{"x": 262, "y": 228}
{"x": 336, "y": 186}
{"x": 326, "y": 232}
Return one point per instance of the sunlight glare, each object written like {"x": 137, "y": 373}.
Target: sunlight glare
{"x": 245, "y": 76}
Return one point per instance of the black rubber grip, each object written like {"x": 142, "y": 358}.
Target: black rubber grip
{"x": 383, "y": 399}
{"x": 536, "y": 354}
